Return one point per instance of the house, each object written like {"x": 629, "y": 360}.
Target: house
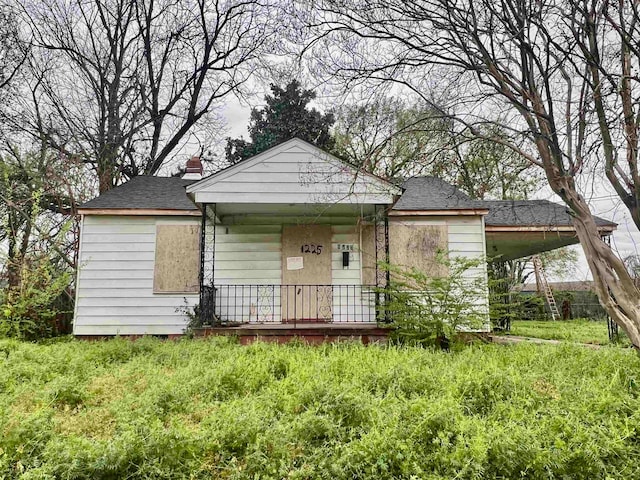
{"x": 290, "y": 238}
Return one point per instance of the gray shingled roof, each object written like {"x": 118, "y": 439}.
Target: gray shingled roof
{"x": 530, "y": 213}
{"x": 146, "y": 192}
{"x": 431, "y": 193}
{"x": 421, "y": 193}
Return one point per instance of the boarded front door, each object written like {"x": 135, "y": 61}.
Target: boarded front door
{"x": 307, "y": 294}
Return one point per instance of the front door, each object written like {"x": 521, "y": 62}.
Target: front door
{"x": 306, "y": 294}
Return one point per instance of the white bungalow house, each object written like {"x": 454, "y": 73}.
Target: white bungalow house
{"x": 289, "y": 238}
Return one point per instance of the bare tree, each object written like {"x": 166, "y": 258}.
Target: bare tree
{"x": 393, "y": 139}
{"x": 388, "y": 137}
{"x": 121, "y": 84}
{"x": 562, "y": 75}
{"x": 36, "y": 207}
{"x": 14, "y": 52}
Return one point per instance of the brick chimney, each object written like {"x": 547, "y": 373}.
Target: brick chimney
{"x": 194, "y": 169}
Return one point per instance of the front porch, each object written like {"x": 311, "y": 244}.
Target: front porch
{"x": 292, "y": 236}
{"x": 292, "y": 265}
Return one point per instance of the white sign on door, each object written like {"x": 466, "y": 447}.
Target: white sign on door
{"x": 295, "y": 263}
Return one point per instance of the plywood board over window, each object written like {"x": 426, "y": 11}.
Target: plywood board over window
{"x": 177, "y": 261}
{"x": 417, "y": 246}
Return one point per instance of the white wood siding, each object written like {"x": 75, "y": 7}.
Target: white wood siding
{"x": 248, "y": 254}
{"x": 294, "y": 172}
{"x": 247, "y": 270}
{"x": 115, "y": 279}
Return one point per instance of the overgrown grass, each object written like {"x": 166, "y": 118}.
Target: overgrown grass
{"x": 577, "y": 331}
{"x": 214, "y": 409}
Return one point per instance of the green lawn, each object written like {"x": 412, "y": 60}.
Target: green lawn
{"x": 214, "y": 409}
{"x": 578, "y": 331}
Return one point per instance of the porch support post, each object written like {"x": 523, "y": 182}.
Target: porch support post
{"x": 203, "y": 230}
{"x": 382, "y": 255}
{"x": 207, "y": 265}
{"x": 213, "y": 244}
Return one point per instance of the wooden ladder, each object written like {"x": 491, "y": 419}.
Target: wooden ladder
{"x": 544, "y": 287}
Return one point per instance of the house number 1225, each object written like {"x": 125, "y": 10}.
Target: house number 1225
{"x": 311, "y": 248}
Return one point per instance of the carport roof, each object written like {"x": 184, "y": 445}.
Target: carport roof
{"x": 426, "y": 194}
{"x": 538, "y": 213}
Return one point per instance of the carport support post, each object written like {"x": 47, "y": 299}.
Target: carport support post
{"x": 612, "y": 327}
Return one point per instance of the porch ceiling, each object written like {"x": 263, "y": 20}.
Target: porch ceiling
{"x": 513, "y": 245}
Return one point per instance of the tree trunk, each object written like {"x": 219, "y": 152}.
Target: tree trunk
{"x": 13, "y": 269}
{"x": 17, "y": 248}
{"x": 614, "y": 286}
{"x": 106, "y": 169}
{"x": 105, "y": 181}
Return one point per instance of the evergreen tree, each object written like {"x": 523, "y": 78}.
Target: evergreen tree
{"x": 286, "y": 115}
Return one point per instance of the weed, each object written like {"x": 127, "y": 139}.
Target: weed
{"x": 214, "y": 409}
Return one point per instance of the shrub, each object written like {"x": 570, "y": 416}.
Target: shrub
{"x": 430, "y": 310}
{"x": 36, "y": 303}
{"x": 35, "y": 308}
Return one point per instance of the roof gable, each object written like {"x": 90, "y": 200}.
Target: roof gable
{"x": 293, "y": 172}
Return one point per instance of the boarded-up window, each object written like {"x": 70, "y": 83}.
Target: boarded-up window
{"x": 417, "y": 246}
{"x": 177, "y": 259}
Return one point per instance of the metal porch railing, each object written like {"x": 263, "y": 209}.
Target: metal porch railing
{"x": 289, "y": 304}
